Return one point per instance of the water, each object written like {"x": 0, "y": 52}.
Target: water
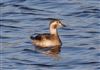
{"x": 81, "y": 38}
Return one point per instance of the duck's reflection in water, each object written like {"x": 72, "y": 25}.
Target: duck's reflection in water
{"x": 50, "y": 51}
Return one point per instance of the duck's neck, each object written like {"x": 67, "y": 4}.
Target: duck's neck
{"x": 53, "y": 31}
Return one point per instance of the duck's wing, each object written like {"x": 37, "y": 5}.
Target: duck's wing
{"x": 41, "y": 36}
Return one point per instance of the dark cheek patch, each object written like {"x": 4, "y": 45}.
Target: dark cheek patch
{"x": 55, "y": 26}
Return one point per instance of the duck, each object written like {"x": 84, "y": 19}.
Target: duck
{"x": 50, "y": 39}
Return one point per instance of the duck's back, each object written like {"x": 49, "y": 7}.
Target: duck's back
{"x": 46, "y": 40}
{"x": 41, "y": 37}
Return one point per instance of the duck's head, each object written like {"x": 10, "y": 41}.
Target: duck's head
{"x": 56, "y": 23}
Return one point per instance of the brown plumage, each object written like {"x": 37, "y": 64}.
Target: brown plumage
{"x": 49, "y": 39}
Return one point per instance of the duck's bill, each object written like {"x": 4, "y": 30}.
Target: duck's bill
{"x": 63, "y": 25}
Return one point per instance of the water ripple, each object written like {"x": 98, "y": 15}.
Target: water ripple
{"x": 8, "y": 26}
{"x": 76, "y": 36}
{"x": 29, "y": 8}
{"x": 89, "y": 63}
{"x": 12, "y": 1}
{"x": 86, "y": 13}
{"x": 9, "y": 20}
{"x": 30, "y": 51}
{"x": 93, "y": 32}
{"x": 4, "y": 37}
{"x": 98, "y": 54}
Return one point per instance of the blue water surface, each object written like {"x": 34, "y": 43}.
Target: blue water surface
{"x": 19, "y": 19}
